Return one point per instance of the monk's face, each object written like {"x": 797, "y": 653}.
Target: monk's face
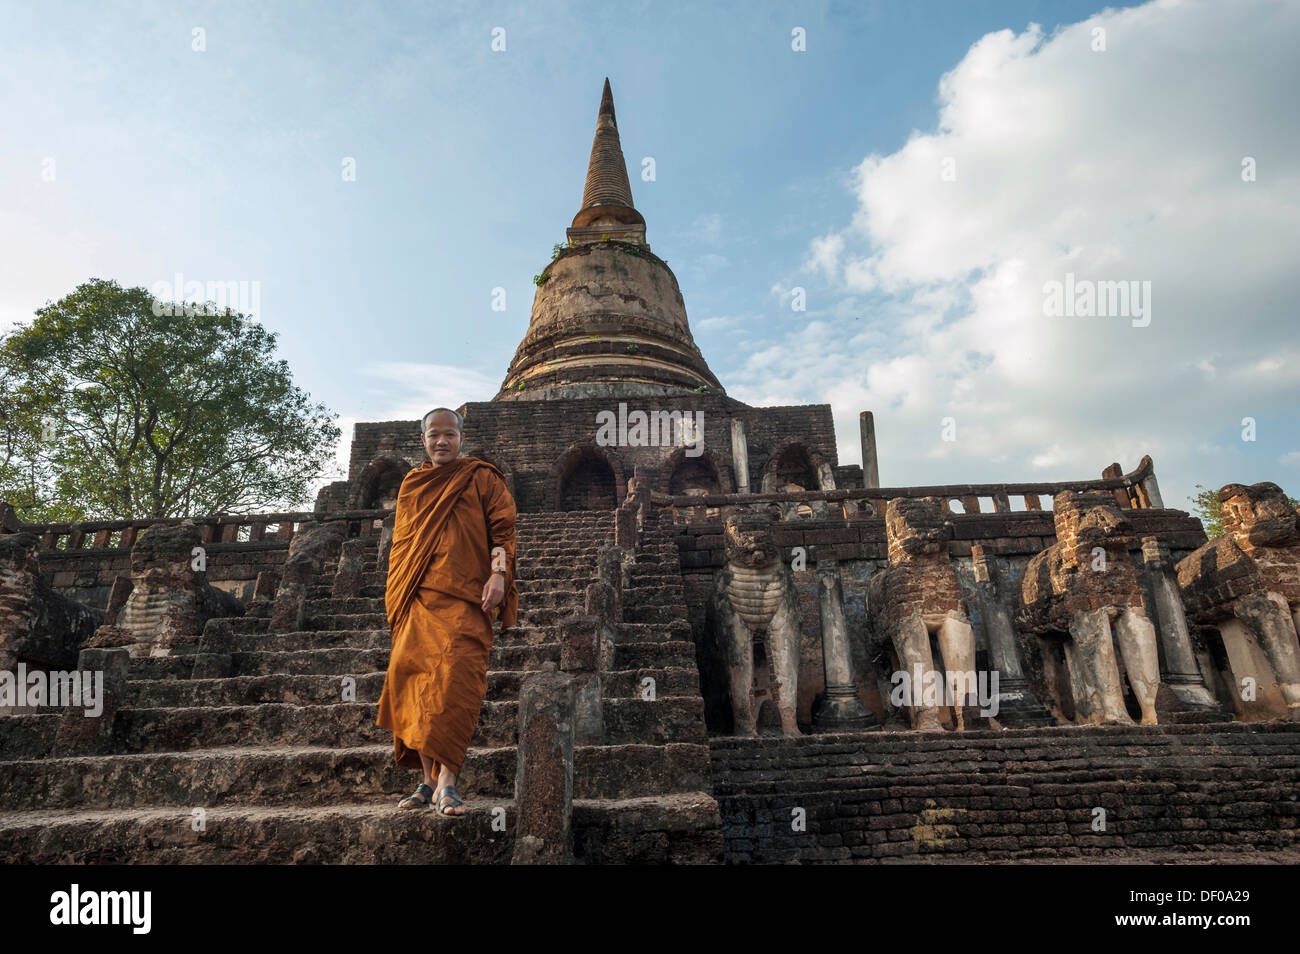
{"x": 441, "y": 439}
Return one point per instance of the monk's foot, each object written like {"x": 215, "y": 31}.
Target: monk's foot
{"x": 450, "y": 802}
{"x": 422, "y": 797}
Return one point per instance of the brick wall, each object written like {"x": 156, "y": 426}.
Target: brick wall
{"x": 1019, "y": 793}
{"x": 529, "y": 439}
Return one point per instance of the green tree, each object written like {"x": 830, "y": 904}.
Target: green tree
{"x": 119, "y": 406}
{"x": 1206, "y": 506}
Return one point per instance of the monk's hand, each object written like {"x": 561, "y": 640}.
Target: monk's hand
{"x": 494, "y": 591}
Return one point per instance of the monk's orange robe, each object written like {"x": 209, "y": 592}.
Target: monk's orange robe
{"x": 448, "y": 521}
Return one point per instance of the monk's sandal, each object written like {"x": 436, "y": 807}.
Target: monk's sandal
{"x": 422, "y": 796}
{"x": 452, "y": 797}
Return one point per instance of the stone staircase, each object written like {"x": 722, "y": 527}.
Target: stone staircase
{"x": 1226, "y": 789}
{"x": 270, "y": 765}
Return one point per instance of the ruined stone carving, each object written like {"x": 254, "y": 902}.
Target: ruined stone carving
{"x": 1246, "y": 584}
{"x": 754, "y": 597}
{"x": 171, "y": 599}
{"x": 312, "y": 548}
{"x": 917, "y": 596}
{"x": 38, "y": 626}
{"x": 1074, "y": 593}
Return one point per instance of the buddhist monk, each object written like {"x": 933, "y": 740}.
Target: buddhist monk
{"x": 451, "y": 565}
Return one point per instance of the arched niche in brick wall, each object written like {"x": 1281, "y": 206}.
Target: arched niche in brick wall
{"x": 792, "y": 463}
{"x": 586, "y": 477}
{"x": 683, "y": 474}
{"x": 379, "y": 483}
{"x": 792, "y": 467}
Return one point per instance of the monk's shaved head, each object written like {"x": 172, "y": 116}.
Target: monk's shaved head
{"x": 460, "y": 421}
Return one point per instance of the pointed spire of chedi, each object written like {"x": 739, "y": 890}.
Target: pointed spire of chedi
{"x": 608, "y": 319}
{"x": 607, "y": 207}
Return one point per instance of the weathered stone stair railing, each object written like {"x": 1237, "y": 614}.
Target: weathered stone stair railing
{"x": 1137, "y": 490}
{"x": 216, "y": 528}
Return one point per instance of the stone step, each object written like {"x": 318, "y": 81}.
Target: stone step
{"x": 322, "y": 591}
{"x": 627, "y": 720}
{"x": 331, "y": 605}
{"x": 324, "y": 689}
{"x": 302, "y": 690}
{"x": 657, "y": 614}
{"x": 678, "y": 829}
{"x": 583, "y": 571}
{"x": 161, "y": 667}
{"x": 28, "y": 736}
{"x": 650, "y": 655}
{"x": 366, "y": 620}
{"x": 673, "y": 631}
{"x": 655, "y": 574}
{"x": 315, "y": 775}
{"x": 309, "y": 639}
{"x": 352, "y": 833}
{"x": 669, "y": 680}
{"x": 526, "y": 634}
{"x": 349, "y": 661}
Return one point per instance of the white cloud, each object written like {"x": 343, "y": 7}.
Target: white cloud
{"x": 824, "y": 256}
{"x": 1123, "y": 165}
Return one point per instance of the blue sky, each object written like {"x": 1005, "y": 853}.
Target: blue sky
{"x": 775, "y": 169}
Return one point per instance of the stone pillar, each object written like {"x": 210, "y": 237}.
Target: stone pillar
{"x": 117, "y": 597}
{"x": 825, "y": 476}
{"x": 613, "y": 568}
{"x": 870, "y": 463}
{"x": 1179, "y": 670}
{"x": 347, "y": 581}
{"x": 585, "y": 647}
{"x": 386, "y": 541}
{"x": 310, "y": 551}
{"x": 638, "y": 494}
{"x": 264, "y": 589}
{"x": 625, "y": 526}
{"x": 88, "y": 729}
{"x": 838, "y": 709}
{"x": 215, "y": 658}
{"x": 1153, "y": 492}
{"x": 739, "y": 455}
{"x": 544, "y": 770}
{"x": 1016, "y": 705}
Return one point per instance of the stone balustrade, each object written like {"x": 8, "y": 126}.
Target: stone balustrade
{"x": 1135, "y": 490}
{"x": 278, "y": 528}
